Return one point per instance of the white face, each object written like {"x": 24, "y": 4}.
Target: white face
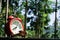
{"x": 16, "y": 26}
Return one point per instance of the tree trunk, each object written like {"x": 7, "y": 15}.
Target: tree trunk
{"x": 6, "y": 12}
{"x": 0, "y": 5}
{"x": 55, "y": 35}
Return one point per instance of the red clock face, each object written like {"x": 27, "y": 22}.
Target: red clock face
{"x": 16, "y": 26}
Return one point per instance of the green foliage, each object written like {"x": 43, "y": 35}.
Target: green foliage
{"x": 43, "y": 9}
{"x": 30, "y": 34}
{"x": 43, "y": 17}
{"x": 3, "y": 16}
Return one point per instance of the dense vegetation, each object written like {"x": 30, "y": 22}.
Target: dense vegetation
{"x": 40, "y": 8}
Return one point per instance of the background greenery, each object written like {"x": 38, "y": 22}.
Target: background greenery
{"x": 42, "y": 7}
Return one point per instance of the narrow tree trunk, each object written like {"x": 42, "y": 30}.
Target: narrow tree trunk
{"x": 55, "y": 35}
{"x": 7, "y": 12}
{"x": 25, "y": 16}
{"x": 37, "y": 21}
{"x": 0, "y": 5}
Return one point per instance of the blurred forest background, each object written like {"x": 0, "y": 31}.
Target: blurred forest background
{"x": 37, "y": 12}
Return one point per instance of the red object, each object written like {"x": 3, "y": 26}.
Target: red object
{"x": 10, "y": 17}
{"x": 8, "y": 29}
